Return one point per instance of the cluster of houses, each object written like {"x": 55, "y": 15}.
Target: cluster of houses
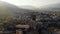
{"x": 33, "y": 23}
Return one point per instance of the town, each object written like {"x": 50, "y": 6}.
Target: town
{"x": 32, "y": 23}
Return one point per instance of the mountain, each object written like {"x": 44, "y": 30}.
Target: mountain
{"x": 52, "y": 7}
{"x": 8, "y": 8}
{"x": 29, "y": 7}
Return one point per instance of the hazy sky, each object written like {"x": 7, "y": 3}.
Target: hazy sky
{"x": 35, "y": 3}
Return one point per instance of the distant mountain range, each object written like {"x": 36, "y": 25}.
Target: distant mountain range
{"x": 52, "y": 7}
{"x": 29, "y": 7}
